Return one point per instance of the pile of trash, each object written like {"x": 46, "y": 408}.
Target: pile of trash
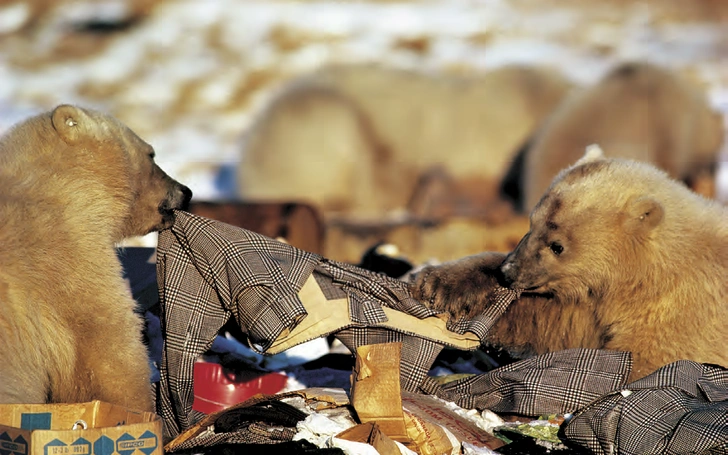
{"x": 259, "y": 343}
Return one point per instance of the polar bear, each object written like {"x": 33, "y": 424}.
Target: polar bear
{"x": 618, "y": 256}
{"x": 365, "y": 141}
{"x": 73, "y": 183}
{"x": 638, "y": 111}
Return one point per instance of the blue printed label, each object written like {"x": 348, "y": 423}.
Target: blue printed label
{"x": 81, "y": 446}
{"x": 57, "y": 447}
{"x": 35, "y": 421}
{"x": 104, "y": 446}
{"x": 18, "y": 446}
{"x": 127, "y": 444}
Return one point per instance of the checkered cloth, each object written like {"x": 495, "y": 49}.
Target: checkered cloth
{"x": 210, "y": 271}
{"x": 554, "y": 383}
{"x": 681, "y": 408}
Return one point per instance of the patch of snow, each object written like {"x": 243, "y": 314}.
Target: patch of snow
{"x": 115, "y": 65}
{"x": 204, "y": 52}
{"x": 13, "y": 17}
{"x": 100, "y": 10}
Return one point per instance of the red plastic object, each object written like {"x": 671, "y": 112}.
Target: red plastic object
{"x": 216, "y": 389}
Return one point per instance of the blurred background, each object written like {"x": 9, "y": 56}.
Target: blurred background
{"x": 191, "y": 77}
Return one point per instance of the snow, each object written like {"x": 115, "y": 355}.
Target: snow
{"x": 13, "y": 16}
{"x": 174, "y": 78}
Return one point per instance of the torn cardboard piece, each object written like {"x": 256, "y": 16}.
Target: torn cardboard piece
{"x": 375, "y": 389}
{"x": 421, "y": 423}
{"x": 370, "y": 433}
{"x": 435, "y": 411}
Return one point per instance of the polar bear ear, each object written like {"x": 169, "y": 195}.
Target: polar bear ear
{"x": 592, "y": 153}
{"x": 644, "y": 214}
{"x": 71, "y": 123}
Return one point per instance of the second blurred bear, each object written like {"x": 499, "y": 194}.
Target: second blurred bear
{"x": 638, "y": 111}
{"x": 357, "y": 140}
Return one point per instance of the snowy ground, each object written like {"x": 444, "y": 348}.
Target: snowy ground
{"x": 189, "y": 77}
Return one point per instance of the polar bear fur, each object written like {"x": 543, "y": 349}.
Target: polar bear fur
{"x": 638, "y": 111}
{"x": 619, "y": 256}
{"x": 357, "y": 139}
{"x": 73, "y": 182}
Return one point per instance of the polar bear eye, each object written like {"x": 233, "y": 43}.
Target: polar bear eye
{"x": 556, "y": 248}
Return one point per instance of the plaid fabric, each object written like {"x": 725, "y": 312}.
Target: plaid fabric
{"x": 555, "y": 383}
{"x": 209, "y": 271}
{"x": 203, "y": 280}
{"x": 679, "y": 409}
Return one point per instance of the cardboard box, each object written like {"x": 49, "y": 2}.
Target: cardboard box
{"x": 36, "y": 429}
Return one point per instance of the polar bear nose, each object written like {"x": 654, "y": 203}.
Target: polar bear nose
{"x": 507, "y": 273}
{"x": 186, "y": 197}
{"x": 178, "y": 198}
